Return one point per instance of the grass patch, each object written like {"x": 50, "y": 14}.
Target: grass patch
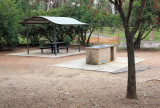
{"x": 107, "y": 31}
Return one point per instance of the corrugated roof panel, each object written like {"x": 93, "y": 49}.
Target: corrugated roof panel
{"x": 64, "y": 20}
{"x": 50, "y": 19}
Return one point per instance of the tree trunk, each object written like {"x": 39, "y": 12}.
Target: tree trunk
{"x": 48, "y": 5}
{"x": 90, "y": 36}
{"x": 131, "y": 87}
{"x": 137, "y": 42}
{"x": 112, "y": 7}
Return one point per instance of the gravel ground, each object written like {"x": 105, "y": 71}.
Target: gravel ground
{"x": 30, "y": 82}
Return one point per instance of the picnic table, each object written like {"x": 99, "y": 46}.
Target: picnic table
{"x": 58, "y": 46}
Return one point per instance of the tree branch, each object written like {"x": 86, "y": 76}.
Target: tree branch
{"x": 139, "y": 18}
{"x": 91, "y": 31}
{"x": 112, "y": 2}
{"x": 130, "y": 9}
{"x": 148, "y": 33}
{"x": 116, "y": 3}
{"x": 120, "y": 10}
{"x": 120, "y": 2}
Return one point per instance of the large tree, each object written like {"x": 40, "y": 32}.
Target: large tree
{"x": 150, "y": 20}
{"x": 129, "y": 34}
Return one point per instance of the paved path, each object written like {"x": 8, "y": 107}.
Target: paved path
{"x": 145, "y": 44}
{"x": 100, "y": 36}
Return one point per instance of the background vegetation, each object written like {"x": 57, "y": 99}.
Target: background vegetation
{"x": 100, "y": 16}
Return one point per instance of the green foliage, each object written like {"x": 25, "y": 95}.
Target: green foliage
{"x": 29, "y": 6}
{"x": 148, "y": 22}
{"x": 11, "y": 14}
{"x": 30, "y": 10}
{"x": 67, "y": 39}
{"x": 9, "y": 19}
{"x": 114, "y": 20}
{"x": 84, "y": 11}
{"x": 150, "y": 19}
{"x": 79, "y": 10}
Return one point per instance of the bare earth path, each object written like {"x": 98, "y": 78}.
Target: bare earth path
{"x": 30, "y": 82}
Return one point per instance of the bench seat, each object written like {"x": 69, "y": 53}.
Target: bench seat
{"x": 42, "y": 47}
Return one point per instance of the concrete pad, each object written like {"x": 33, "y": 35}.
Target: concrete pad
{"x": 112, "y": 67}
{"x": 47, "y": 53}
{"x": 139, "y": 67}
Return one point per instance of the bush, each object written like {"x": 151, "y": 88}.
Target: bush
{"x": 9, "y": 23}
{"x": 67, "y": 39}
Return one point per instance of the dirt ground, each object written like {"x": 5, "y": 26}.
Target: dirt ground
{"x": 30, "y": 82}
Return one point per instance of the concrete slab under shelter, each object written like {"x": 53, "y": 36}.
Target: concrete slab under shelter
{"x": 47, "y": 53}
{"x": 117, "y": 66}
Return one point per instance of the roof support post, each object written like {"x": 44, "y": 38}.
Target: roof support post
{"x": 54, "y": 29}
{"x": 27, "y": 38}
{"x": 79, "y": 38}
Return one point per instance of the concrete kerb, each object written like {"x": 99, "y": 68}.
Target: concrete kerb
{"x": 47, "y": 53}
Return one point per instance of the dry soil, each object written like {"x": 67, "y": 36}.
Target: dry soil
{"x": 30, "y": 82}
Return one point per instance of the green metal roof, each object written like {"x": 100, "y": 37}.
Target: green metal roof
{"x": 50, "y": 19}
